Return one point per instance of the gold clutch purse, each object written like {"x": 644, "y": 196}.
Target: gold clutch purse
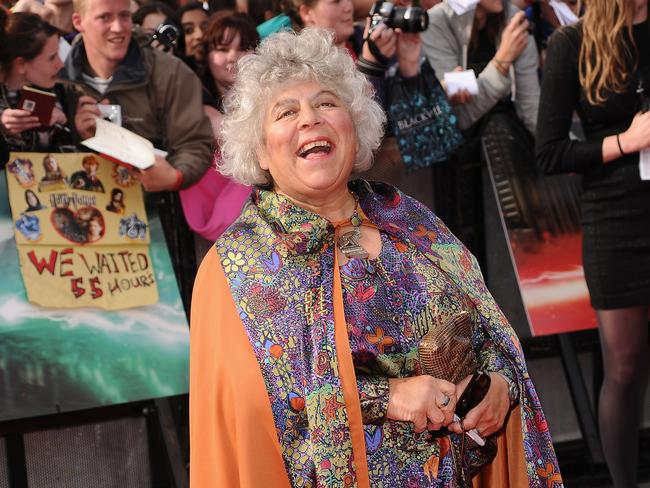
{"x": 446, "y": 351}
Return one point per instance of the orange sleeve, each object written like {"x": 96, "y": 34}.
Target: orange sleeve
{"x": 233, "y": 439}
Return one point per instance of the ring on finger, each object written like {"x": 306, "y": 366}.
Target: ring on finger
{"x": 445, "y": 401}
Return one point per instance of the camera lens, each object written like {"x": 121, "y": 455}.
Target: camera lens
{"x": 409, "y": 19}
{"x": 167, "y": 35}
{"x": 415, "y": 20}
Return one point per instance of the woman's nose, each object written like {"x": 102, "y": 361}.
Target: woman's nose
{"x": 309, "y": 117}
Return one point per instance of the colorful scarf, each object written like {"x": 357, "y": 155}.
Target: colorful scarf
{"x": 279, "y": 262}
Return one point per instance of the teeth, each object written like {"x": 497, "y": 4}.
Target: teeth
{"x": 311, "y": 145}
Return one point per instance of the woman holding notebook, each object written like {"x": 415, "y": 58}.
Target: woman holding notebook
{"x": 29, "y": 119}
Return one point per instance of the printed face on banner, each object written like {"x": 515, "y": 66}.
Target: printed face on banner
{"x": 81, "y": 230}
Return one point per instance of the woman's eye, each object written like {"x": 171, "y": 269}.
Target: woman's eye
{"x": 285, "y": 113}
{"x": 327, "y": 104}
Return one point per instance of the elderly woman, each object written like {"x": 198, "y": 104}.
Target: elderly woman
{"x": 308, "y": 312}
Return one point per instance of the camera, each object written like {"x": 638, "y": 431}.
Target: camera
{"x": 408, "y": 19}
{"x": 167, "y": 35}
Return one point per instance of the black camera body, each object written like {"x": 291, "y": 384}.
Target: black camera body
{"x": 167, "y": 35}
{"x": 408, "y": 19}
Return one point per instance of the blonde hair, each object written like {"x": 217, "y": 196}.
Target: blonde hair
{"x": 604, "y": 53}
{"x": 79, "y": 6}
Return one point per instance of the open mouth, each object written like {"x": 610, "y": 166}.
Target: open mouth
{"x": 315, "y": 147}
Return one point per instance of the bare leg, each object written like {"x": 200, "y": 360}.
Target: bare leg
{"x": 624, "y": 343}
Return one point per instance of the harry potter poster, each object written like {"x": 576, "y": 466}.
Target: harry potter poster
{"x": 81, "y": 230}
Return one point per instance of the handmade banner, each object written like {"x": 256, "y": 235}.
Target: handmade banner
{"x": 81, "y": 231}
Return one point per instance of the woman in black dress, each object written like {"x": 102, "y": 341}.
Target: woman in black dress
{"x": 600, "y": 67}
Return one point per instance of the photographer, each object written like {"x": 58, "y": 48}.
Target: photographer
{"x": 29, "y": 56}
{"x": 373, "y": 48}
{"x": 193, "y": 19}
{"x": 159, "y": 97}
{"x": 151, "y": 15}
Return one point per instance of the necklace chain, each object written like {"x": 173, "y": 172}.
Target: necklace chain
{"x": 349, "y": 241}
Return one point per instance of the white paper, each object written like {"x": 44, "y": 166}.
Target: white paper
{"x": 462, "y": 6}
{"x": 461, "y": 80}
{"x": 563, "y": 12}
{"x": 121, "y": 144}
{"x": 473, "y": 434}
{"x": 644, "y": 164}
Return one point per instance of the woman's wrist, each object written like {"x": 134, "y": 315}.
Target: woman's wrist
{"x": 512, "y": 386}
{"x": 502, "y": 65}
{"x": 409, "y": 69}
{"x": 623, "y": 144}
{"x": 371, "y": 67}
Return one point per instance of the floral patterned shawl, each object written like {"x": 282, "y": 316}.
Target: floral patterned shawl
{"x": 280, "y": 265}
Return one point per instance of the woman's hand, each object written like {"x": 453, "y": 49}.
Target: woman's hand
{"x": 460, "y": 97}
{"x": 425, "y": 401}
{"x": 384, "y": 38}
{"x": 514, "y": 40}
{"x": 488, "y": 416}
{"x": 15, "y": 121}
{"x": 637, "y": 136}
{"x": 409, "y": 46}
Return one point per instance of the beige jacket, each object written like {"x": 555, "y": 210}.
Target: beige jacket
{"x": 161, "y": 100}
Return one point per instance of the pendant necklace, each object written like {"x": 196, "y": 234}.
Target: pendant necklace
{"x": 349, "y": 241}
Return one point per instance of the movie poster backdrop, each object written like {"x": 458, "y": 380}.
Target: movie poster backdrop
{"x": 55, "y": 359}
{"x": 541, "y": 219}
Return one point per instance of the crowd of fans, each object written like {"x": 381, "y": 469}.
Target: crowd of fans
{"x": 112, "y": 60}
{"x": 169, "y": 65}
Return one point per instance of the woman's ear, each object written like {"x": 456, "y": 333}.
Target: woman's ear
{"x": 262, "y": 158}
{"x": 306, "y": 15}
{"x": 18, "y": 65}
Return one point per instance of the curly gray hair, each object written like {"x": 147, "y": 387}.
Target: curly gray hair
{"x": 290, "y": 57}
